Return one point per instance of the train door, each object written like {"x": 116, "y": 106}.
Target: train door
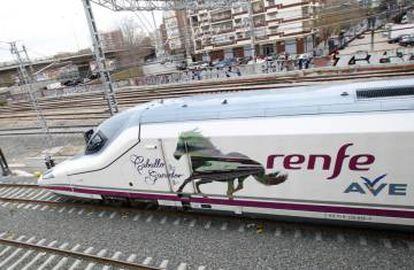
{"x": 178, "y": 169}
{"x": 149, "y": 168}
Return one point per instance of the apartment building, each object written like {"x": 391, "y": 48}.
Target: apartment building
{"x": 276, "y": 26}
{"x": 173, "y": 31}
{"x": 113, "y": 40}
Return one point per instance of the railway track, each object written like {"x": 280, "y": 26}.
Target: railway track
{"x": 45, "y": 254}
{"x": 65, "y": 114}
{"x": 21, "y": 197}
{"x": 131, "y": 96}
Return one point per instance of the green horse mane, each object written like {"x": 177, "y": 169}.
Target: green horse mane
{"x": 194, "y": 138}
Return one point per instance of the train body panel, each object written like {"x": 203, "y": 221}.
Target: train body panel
{"x": 354, "y": 166}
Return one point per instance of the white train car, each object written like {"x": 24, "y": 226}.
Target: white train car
{"x": 339, "y": 153}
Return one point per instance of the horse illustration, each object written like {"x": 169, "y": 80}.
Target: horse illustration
{"x": 209, "y": 164}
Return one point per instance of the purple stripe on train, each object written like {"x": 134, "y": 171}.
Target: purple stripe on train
{"x": 246, "y": 203}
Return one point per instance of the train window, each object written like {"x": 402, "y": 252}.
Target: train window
{"x": 95, "y": 143}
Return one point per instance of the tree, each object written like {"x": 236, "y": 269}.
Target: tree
{"x": 334, "y": 16}
{"x": 132, "y": 34}
{"x": 137, "y": 45}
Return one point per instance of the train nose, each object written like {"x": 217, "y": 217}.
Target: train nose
{"x": 46, "y": 178}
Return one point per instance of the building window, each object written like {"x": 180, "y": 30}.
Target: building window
{"x": 268, "y": 49}
{"x": 274, "y": 29}
{"x": 290, "y": 46}
{"x": 194, "y": 19}
{"x": 259, "y": 20}
{"x": 258, "y": 7}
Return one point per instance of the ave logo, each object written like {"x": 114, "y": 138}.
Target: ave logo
{"x": 377, "y": 186}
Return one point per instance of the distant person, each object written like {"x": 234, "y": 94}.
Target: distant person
{"x": 198, "y": 74}
{"x": 238, "y": 72}
{"x": 301, "y": 63}
{"x": 227, "y": 72}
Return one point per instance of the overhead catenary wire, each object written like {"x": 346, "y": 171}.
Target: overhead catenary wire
{"x": 143, "y": 26}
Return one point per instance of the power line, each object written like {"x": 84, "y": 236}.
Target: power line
{"x": 142, "y": 22}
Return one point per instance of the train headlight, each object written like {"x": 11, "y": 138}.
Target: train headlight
{"x": 48, "y": 175}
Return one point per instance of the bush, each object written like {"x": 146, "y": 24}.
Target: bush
{"x": 127, "y": 73}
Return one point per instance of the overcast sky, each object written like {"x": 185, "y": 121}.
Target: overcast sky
{"x": 47, "y": 27}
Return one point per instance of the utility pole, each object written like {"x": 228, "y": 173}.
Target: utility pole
{"x": 187, "y": 38}
{"x": 371, "y": 23}
{"x": 28, "y": 60}
{"x": 26, "y": 81}
{"x": 159, "y": 47}
{"x": 100, "y": 59}
{"x": 252, "y": 38}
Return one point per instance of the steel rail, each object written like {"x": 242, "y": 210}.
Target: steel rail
{"x": 147, "y": 96}
{"x": 77, "y": 255}
{"x": 125, "y": 211}
{"x": 129, "y": 98}
{"x": 17, "y": 185}
{"x": 125, "y": 98}
{"x": 265, "y": 78}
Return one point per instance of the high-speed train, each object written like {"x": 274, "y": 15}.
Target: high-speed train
{"x": 341, "y": 152}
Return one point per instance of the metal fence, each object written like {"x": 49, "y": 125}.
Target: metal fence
{"x": 209, "y": 73}
{"x": 212, "y": 73}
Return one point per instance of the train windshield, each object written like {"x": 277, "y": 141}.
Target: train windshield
{"x": 107, "y": 132}
{"x": 96, "y": 143}
{"x": 112, "y": 127}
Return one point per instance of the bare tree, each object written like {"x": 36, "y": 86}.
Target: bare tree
{"x": 136, "y": 43}
{"x": 335, "y": 16}
{"x": 132, "y": 33}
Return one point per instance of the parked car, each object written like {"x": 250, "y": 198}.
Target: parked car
{"x": 407, "y": 40}
{"x": 244, "y": 60}
{"x": 73, "y": 82}
{"x": 198, "y": 65}
{"x": 181, "y": 66}
{"x": 225, "y": 63}
{"x": 396, "y": 39}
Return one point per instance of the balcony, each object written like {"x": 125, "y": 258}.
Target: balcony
{"x": 222, "y": 16}
{"x": 260, "y": 23}
{"x": 223, "y": 41}
{"x": 243, "y": 36}
{"x": 261, "y": 34}
{"x": 223, "y": 30}
{"x": 240, "y": 10}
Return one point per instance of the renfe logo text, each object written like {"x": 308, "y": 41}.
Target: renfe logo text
{"x": 325, "y": 162}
